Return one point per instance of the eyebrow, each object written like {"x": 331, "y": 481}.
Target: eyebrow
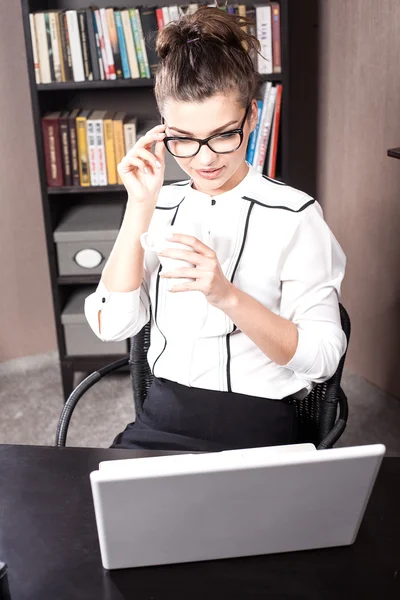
{"x": 212, "y": 132}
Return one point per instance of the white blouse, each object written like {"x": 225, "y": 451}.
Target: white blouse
{"x": 272, "y": 243}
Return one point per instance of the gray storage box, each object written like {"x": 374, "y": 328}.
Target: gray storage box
{"x": 79, "y": 338}
{"x": 85, "y": 237}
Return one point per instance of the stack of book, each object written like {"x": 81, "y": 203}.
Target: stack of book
{"x": 263, "y": 141}
{"x": 118, "y": 43}
{"x": 84, "y": 147}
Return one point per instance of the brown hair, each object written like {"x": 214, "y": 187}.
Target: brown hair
{"x": 203, "y": 54}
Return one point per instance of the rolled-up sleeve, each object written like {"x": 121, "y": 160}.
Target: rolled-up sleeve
{"x": 123, "y": 314}
{"x": 311, "y": 277}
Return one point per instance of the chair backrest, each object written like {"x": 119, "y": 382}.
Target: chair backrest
{"x": 316, "y": 414}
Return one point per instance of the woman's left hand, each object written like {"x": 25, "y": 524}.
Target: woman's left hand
{"x": 207, "y": 271}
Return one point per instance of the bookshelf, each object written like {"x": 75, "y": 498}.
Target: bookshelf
{"x": 296, "y": 164}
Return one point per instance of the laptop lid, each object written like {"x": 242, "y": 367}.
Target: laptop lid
{"x": 236, "y": 503}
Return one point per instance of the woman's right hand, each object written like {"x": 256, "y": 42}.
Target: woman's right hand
{"x": 141, "y": 171}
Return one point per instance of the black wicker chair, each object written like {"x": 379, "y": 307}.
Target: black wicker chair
{"x": 317, "y": 414}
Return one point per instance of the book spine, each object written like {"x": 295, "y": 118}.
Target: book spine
{"x": 68, "y": 58}
{"x": 60, "y": 47}
{"x": 265, "y": 131}
{"x": 84, "y": 175}
{"x": 110, "y": 152}
{"x": 160, "y": 19}
{"x": 74, "y": 151}
{"x": 87, "y": 66}
{"x": 129, "y": 136}
{"x": 98, "y": 48}
{"x": 242, "y": 13}
{"x": 119, "y": 146}
{"x": 102, "y": 43}
{"x": 44, "y": 61}
{"x": 264, "y": 34}
{"x": 101, "y": 154}
{"x": 137, "y": 42}
{"x": 122, "y": 45}
{"x": 130, "y": 45}
{"x": 52, "y": 152}
{"x": 276, "y": 37}
{"x": 148, "y": 19}
{"x": 174, "y": 12}
{"x": 254, "y": 135}
{"x": 166, "y": 16}
{"x": 142, "y": 42}
{"x": 75, "y": 44}
{"x": 112, "y": 31}
{"x": 92, "y": 152}
{"x": 34, "y": 47}
{"x": 54, "y": 47}
{"x": 252, "y": 30}
{"x": 275, "y": 133}
{"x": 94, "y": 62}
{"x": 65, "y": 150}
{"x": 49, "y": 46}
{"x": 266, "y": 89}
{"x": 107, "y": 44}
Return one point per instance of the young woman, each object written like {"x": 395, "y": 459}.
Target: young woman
{"x": 259, "y": 321}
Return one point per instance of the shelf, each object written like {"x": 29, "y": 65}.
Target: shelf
{"x": 394, "y": 152}
{"x": 78, "y": 279}
{"x": 88, "y": 189}
{"x": 93, "y": 362}
{"x": 120, "y": 83}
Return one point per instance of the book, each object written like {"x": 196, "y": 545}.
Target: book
{"x": 109, "y": 146}
{"x": 126, "y": 72}
{"x": 160, "y": 19}
{"x": 119, "y": 143}
{"x": 60, "y": 46}
{"x": 252, "y": 30}
{"x": 83, "y": 160}
{"x": 74, "y": 146}
{"x": 276, "y": 37}
{"x": 49, "y": 46}
{"x": 254, "y": 134}
{"x": 65, "y": 148}
{"x": 34, "y": 47}
{"x": 275, "y": 133}
{"x": 55, "y": 46}
{"x": 102, "y": 43}
{"x": 98, "y": 48}
{"x": 83, "y": 30}
{"x": 93, "y": 48}
{"x": 166, "y": 15}
{"x": 130, "y": 126}
{"x": 137, "y": 42}
{"x": 75, "y": 45}
{"x": 265, "y": 91}
{"x": 92, "y": 150}
{"x": 149, "y": 26}
{"x": 52, "y": 149}
{"x": 264, "y": 34}
{"x": 265, "y": 130}
{"x": 112, "y": 31}
{"x": 107, "y": 44}
{"x": 98, "y": 116}
{"x": 174, "y": 12}
{"x": 130, "y": 45}
{"x": 142, "y": 41}
{"x": 44, "y": 60}
{"x": 66, "y": 47}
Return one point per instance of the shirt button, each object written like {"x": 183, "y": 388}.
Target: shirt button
{"x": 103, "y": 299}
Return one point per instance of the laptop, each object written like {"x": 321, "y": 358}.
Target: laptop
{"x": 194, "y": 507}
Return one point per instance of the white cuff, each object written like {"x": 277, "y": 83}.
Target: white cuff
{"x": 306, "y": 353}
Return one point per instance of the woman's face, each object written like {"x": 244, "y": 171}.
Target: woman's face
{"x": 211, "y": 173}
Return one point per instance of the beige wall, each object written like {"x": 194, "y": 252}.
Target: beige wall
{"x": 26, "y": 314}
{"x": 359, "y": 185}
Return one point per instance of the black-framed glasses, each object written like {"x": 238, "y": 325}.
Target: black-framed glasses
{"x": 220, "y": 143}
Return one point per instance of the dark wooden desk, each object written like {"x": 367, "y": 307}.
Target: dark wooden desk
{"x": 48, "y": 538}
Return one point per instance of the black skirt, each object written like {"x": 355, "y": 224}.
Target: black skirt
{"x": 177, "y": 417}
